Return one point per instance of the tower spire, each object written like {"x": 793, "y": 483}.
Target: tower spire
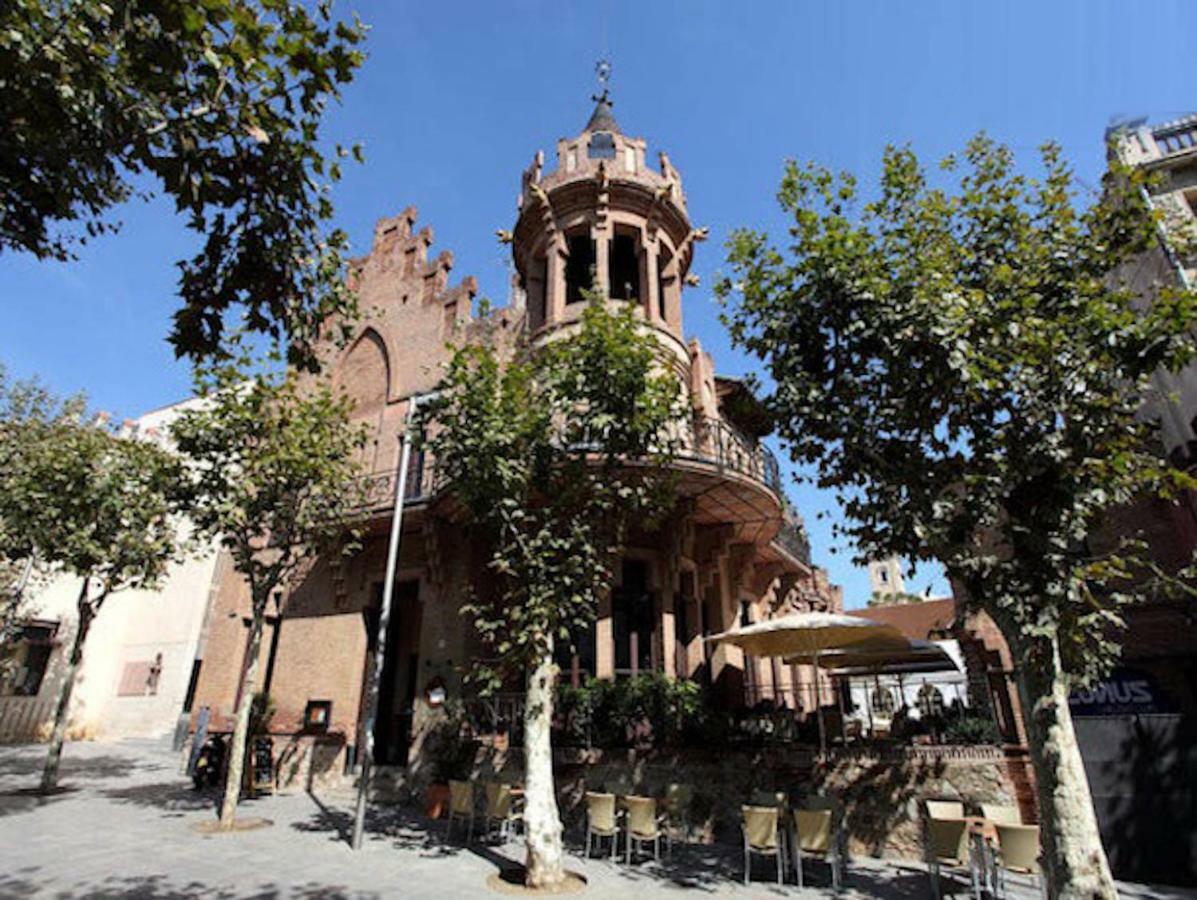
{"x": 602, "y": 119}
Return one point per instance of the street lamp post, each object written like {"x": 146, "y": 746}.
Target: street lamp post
{"x": 384, "y": 616}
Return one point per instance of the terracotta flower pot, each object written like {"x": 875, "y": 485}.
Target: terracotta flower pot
{"x": 436, "y": 800}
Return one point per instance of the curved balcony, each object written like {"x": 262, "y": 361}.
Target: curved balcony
{"x": 732, "y": 476}
{"x": 715, "y": 442}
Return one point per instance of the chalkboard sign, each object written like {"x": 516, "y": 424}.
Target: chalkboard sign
{"x": 262, "y": 761}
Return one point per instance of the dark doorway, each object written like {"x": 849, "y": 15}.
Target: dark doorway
{"x": 397, "y": 684}
{"x": 632, "y": 620}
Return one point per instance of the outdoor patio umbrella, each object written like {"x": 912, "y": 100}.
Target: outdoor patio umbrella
{"x": 811, "y": 634}
{"x": 883, "y": 658}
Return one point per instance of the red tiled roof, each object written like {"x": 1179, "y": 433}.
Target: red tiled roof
{"x": 917, "y": 621}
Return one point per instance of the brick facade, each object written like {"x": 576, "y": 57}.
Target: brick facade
{"x": 732, "y": 549}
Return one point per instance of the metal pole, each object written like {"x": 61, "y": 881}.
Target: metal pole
{"x": 380, "y": 638}
{"x": 819, "y": 709}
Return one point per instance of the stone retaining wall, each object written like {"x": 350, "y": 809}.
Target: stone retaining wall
{"x": 881, "y": 790}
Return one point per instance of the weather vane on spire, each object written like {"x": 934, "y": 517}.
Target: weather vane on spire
{"x": 602, "y": 70}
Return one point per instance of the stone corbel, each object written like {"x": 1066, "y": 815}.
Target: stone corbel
{"x": 548, "y": 216}
{"x": 660, "y": 196}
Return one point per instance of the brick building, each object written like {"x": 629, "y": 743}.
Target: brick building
{"x": 735, "y": 551}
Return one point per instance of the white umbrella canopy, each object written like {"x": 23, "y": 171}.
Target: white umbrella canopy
{"x": 811, "y": 634}
{"x": 808, "y": 633}
{"x": 883, "y": 658}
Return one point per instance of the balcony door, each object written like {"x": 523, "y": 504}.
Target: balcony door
{"x": 634, "y": 620}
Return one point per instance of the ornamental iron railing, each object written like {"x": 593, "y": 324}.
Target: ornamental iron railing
{"x": 708, "y": 441}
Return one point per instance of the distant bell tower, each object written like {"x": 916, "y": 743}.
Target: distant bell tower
{"x": 604, "y": 216}
{"x": 885, "y": 577}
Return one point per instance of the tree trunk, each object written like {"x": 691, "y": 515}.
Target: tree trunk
{"x": 1074, "y": 862}
{"x": 236, "y": 757}
{"x": 63, "y": 706}
{"x": 542, "y": 823}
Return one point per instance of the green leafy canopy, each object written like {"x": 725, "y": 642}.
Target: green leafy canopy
{"x": 274, "y": 470}
{"x": 553, "y": 452}
{"x": 80, "y": 498}
{"x": 966, "y": 370}
{"x": 218, "y": 103}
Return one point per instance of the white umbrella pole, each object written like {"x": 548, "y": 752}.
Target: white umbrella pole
{"x": 839, "y": 690}
{"x": 819, "y": 709}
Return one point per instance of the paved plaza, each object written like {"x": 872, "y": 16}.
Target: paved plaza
{"x": 124, "y": 828}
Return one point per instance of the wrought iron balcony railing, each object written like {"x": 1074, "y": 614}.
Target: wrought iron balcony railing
{"x": 792, "y": 538}
{"x": 715, "y": 442}
{"x": 707, "y": 441}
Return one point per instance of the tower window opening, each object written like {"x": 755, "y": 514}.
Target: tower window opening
{"x": 535, "y": 287}
{"x": 663, "y": 261}
{"x": 579, "y": 268}
{"x": 602, "y": 146}
{"x": 623, "y": 265}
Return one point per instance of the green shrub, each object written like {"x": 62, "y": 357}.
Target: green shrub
{"x": 971, "y": 729}
{"x": 645, "y": 710}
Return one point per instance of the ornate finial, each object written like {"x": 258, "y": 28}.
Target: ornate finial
{"x": 602, "y": 71}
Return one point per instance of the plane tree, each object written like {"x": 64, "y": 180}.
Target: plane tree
{"x": 274, "y": 468}
{"x": 214, "y": 105}
{"x": 553, "y": 453}
{"x": 89, "y": 503}
{"x": 958, "y": 361}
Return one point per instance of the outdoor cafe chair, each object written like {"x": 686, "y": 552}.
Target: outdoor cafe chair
{"x": 678, "y": 799}
{"x": 761, "y": 836}
{"x": 945, "y": 809}
{"x": 1001, "y": 815}
{"x": 643, "y": 825}
{"x": 501, "y": 809}
{"x": 601, "y": 822}
{"x": 948, "y": 846}
{"x": 816, "y": 833}
{"x": 1018, "y": 852}
{"x": 461, "y": 807}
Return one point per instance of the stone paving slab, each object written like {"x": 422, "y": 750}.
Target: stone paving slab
{"x": 125, "y": 829}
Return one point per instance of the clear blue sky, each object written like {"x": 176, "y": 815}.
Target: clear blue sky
{"x": 456, "y": 98}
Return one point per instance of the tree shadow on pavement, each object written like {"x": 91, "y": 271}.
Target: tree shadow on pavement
{"x": 26, "y": 800}
{"x": 77, "y": 767}
{"x": 172, "y": 798}
{"x": 405, "y": 829}
{"x": 164, "y": 887}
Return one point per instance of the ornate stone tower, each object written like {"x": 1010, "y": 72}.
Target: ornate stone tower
{"x": 604, "y": 216}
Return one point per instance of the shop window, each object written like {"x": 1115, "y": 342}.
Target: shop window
{"x": 623, "y": 265}
{"x": 579, "y": 268}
